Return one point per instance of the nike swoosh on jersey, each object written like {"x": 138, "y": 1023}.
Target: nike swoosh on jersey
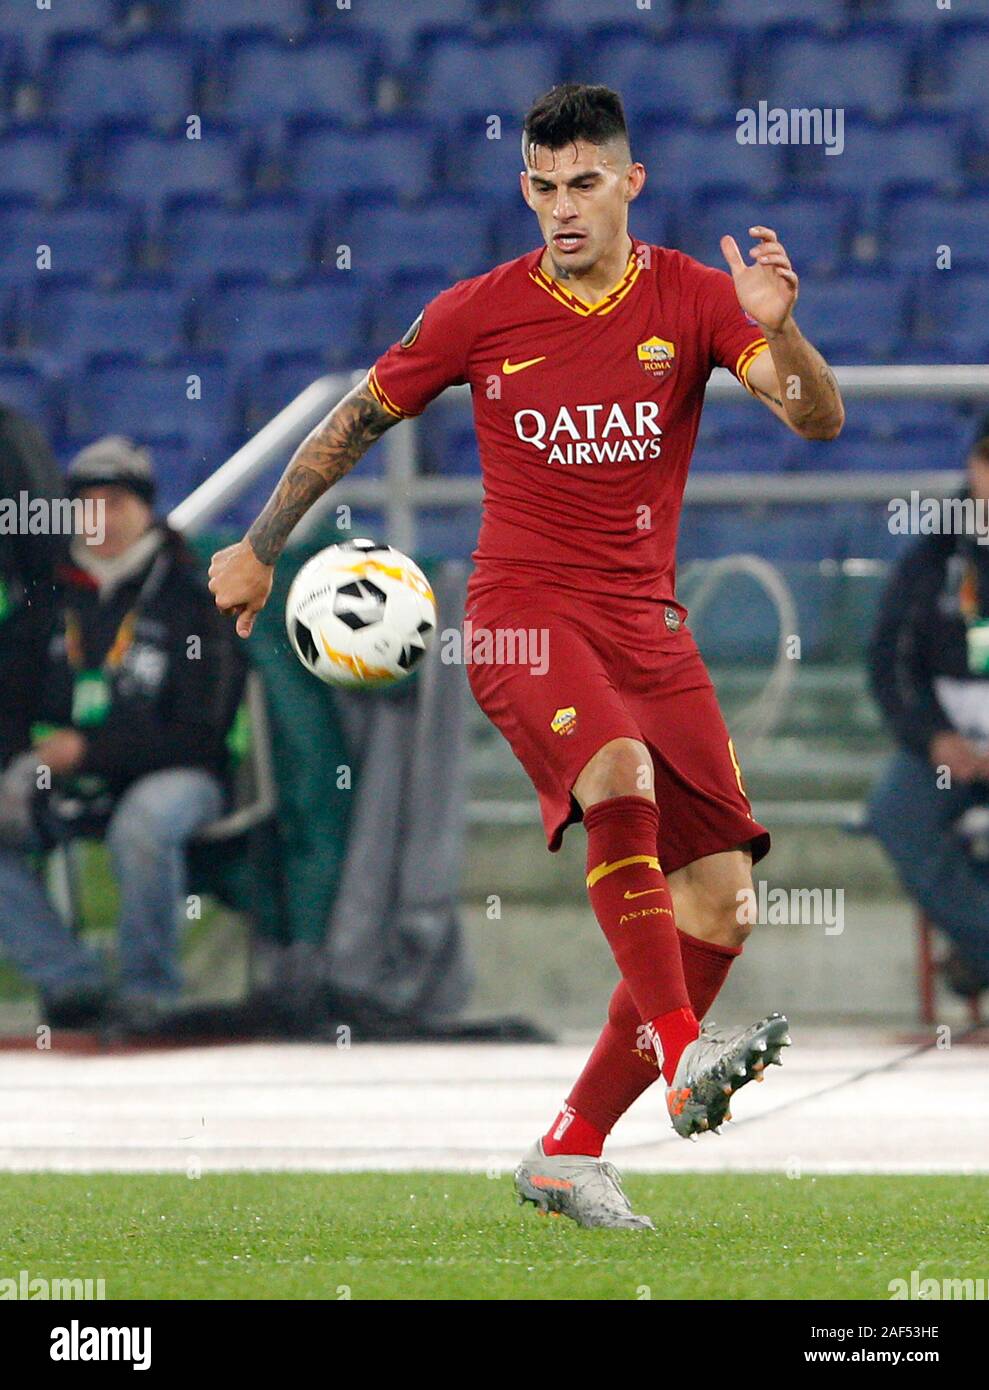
{"x": 509, "y": 367}
{"x": 643, "y": 893}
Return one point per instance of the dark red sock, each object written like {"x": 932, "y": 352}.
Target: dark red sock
{"x": 631, "y": 900}
{"x": 705, "y": 967}
{"x": 571, "y": 1133}
{"x": 619, "y": 1070}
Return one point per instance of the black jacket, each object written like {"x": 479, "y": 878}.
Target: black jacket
{"x": 27, "y": 565}
{"x": 177, "y": 689}
{"x": 920, "y": 634}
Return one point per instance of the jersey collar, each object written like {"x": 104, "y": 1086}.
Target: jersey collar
{"x": 611, "y": 300}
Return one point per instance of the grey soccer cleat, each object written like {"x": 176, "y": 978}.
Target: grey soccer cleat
{"x": 586, "y": 1189}
{"x": 717, "y": 1064}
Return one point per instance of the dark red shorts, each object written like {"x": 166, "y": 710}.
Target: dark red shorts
{"x": 593, "y": 672}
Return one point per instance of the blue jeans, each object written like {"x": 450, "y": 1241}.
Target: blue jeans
{"x": 913, "y": 819}
{"x": 146, "y": 837}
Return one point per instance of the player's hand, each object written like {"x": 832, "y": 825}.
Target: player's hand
{"x": 958, "y": 754}
{"x": 240, "y": 583}
{"x": 767, "y": 289}
{"x": 62, "y": 751}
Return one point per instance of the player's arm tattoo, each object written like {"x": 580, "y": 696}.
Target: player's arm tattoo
{"x": 810, "y": 394}
{"x": 323, "y": 457}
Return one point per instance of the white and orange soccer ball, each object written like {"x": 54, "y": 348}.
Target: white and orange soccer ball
{"x": 360, "y": 614}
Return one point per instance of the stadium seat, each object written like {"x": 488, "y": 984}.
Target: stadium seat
{"x": 897, "y": 417}
{"x": 449, "y": 445}
{"x": 954, "y": 65}
{"x": 217, "y": 17}
{"x": 448, "y": 533}
{"x": 149, "y": 78}
{"x": 954, "y": 314}
{"x": 34, "y": 162}
{"x": 922, "y": 11}
{"x": 180, "y": 466}
{"x": 447, "y": 234}
{"x": 150, "y": 167}
{"x": 71, "y": 322}
{"x": 681, "y": 159}
{"x": 206, "y": 238}
{"x": 487, "y": 163}
{"x": 852, "y": 316}
{"x": 269, "y": 79}
{"x": 23, "y": 388}
{"x": 36, "y": 27}
{"x": 864, "y": 69}
{"x": 272, "y": 383}
{"x": 916, "y": 225}
{"x": 247, "y": 318}
{"x": 812, "y": 226}
{"x": 460, "y": 73}
{"x": 582, "y": 14}
{"x": 398, "y": 26}
{"x": 326, "y": 160}
{"x": 687, "y": 71}
{"x": 123, "y": 394}
{"x": 758, "y": 14}
{"x": 856, "y": 450}
{"x": 92, "y": 238}
{"x": 914, "y": 149}
{"x": 403, "y": 300}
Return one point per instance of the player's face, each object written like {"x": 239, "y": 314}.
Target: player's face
{"x": 580, "y": 194}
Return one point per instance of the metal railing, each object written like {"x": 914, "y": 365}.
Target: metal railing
{"x": 403, "y": 490}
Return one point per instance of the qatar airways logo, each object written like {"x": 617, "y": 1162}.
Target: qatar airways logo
{"x": 593, "y": 433}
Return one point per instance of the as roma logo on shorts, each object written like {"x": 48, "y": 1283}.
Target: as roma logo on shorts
{"x": 564, "y": 721}
{"x": 656, "y": 355}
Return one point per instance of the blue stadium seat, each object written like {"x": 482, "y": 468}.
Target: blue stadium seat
{"x": 682, "y": 158}
{"x": 954, "y": 314}
{"x": 778, "y": 533}
{"x": 217, "y": 17}
{"x": 864, "y": 69}
{"x": 269, "y": 385}
{"x": 150, "y": 167}
{"x": 475, "y": 161}
{"x": 760, "y": 13}
{"x": 327, "y": 160}
{"x": 249, "y": 319}
{"x": 404, "y": 299}
{"x": 399, "y": 26}
{"x": 268, "y": 79}
{"x": 205, "y": 238}
{"x": 92, "y": 238}
{"x": 35, "y": 27}
{"x": 926, "y": 12}
{"x": 693, "y": 71}
{"x": 956, "y": 64}
{"x": 123, "y": 394}
{"x": 813, "y": 227}
{"x": 34, "y": 162}
{"x": 24, "y": 388}
{"x": 856, "y": 450}
{"x": 449, "y": 445}
{"x": 896, "y": 418}
{"x": 851, "y": 316}
{"x": 915, "y": 225}
{"x": 919, "y": 148}
{"x": 448, "y": 533}
{"x": 745, "y": 454}
{"x": 71, "y": 321}
{"x": 447, "y": 234}
{"x": 460, "y": 73}
{"x": 180, "y": 466}
{"x": 582, "y": 14}
{"x": 149, "y": 78}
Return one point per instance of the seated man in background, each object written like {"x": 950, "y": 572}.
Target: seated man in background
{"x": 140, "y": 684}
{"x": 929, "y": 666}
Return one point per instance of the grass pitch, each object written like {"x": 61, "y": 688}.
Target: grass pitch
{"x": 461, "y": 1236}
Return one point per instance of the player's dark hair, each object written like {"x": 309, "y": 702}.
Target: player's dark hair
{"x": 574, "y": 111}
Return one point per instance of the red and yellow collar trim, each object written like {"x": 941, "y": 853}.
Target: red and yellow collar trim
{"x": 610, "y": 301}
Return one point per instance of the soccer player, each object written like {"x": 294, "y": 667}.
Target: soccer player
{"x": 587, "y": 361}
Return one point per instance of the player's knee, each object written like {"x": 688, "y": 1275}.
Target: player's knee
{"x": 621, "y": 768}
{"x": 725, "y": 913}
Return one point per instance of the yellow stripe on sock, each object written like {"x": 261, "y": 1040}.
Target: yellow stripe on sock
{"x": 604, "y": 869}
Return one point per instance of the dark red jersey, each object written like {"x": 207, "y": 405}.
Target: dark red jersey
{"x": 586, "y": 415}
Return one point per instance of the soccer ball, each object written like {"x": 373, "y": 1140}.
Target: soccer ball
{"x": 360, "y": 614}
